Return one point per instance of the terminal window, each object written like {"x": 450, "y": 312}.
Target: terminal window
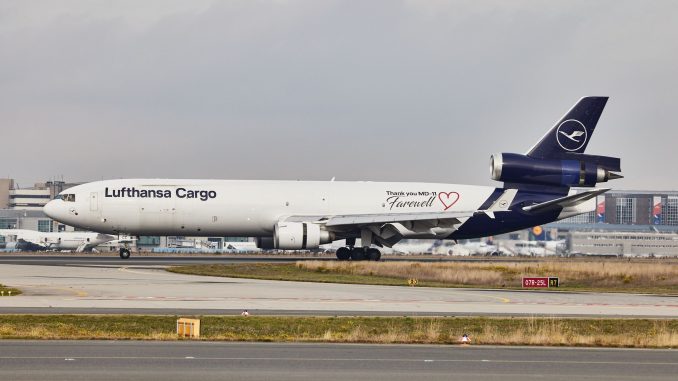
{"x": 44, "y": 226}
{"x": 586, "y": 218}
{"x": 8, "y": 223}
{"x": 626, "y": 210}
{"x": 670, "y": 211}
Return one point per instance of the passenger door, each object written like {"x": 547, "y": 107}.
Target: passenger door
{"x": 94, "y": 202}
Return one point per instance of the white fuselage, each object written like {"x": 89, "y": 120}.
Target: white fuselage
{"x": 243, "y": 207}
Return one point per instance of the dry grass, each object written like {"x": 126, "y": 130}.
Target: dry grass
{"x": 7, "y": 290}
{"x": 636, "y": 333}
{"x": 86, "y": 327}
{"x": 528, "y": 331}
{"x": 649, "y": 276}
{"x": 554, "y": 331}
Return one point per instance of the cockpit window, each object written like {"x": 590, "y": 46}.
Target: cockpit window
{"x": 70, "y": 197}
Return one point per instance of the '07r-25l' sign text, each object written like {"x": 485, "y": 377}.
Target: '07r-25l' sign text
{"x": 540, "y": 282}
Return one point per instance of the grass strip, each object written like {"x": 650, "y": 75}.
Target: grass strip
{"x": 632, "y": 333}
{"x": 288, "y": 272}
{"x": 7, "y": 291}
{"x": 601, "y": 276}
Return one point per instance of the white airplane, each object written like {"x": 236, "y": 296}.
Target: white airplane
{"x": 475, "y": 248}
{"x": 533, "y": 248}
{"x": 241, "y": 247}
{"x": 31, "y": 240}
{"x": 295, "y": 215}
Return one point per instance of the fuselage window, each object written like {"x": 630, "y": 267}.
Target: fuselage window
{"x": 68, "y": 197}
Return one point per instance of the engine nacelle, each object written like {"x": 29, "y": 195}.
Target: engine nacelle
{"x": 265, "y": 243}
{"x": 295, "y": 236}
{"x": 515, "y": 168}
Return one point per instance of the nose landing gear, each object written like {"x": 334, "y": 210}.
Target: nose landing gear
{"x": 124, "y": 253}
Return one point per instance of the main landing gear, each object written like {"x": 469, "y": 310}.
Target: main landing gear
{"x": 124, "y": 253}
{"x": 358, "y": 254}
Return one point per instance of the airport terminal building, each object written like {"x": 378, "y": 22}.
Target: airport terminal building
{"x": 21, "y": 208}
{"x": 625, "y": 223}
{"x": 632, "y": 208}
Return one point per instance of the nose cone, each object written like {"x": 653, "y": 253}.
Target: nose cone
{"x": 53, "y": 209}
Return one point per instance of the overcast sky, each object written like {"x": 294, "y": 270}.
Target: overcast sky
{"x": 361, "y": 90}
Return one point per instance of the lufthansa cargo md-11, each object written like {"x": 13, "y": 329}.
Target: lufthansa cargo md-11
{"x": 300, "y": 215}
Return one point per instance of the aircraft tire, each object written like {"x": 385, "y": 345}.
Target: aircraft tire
{"x": 373, "y": 254}
{"x": 358, "y": 254}
{"x": 124, "y": 253}
{"x": 343, "y": 254}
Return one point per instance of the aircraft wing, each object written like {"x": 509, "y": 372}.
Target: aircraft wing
{"x": 370, "y": 219}
{"x": 386, "y": 229}
{"x": 567, "y": 201}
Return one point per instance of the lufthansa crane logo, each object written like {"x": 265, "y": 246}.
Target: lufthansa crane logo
{"x": 571, "y": 135}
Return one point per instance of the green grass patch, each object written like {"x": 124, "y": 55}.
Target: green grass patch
{"x": 640, "y": 333}
{"x": 9, "y": 291}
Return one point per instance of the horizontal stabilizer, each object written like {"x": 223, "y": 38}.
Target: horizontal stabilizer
{"x": 566, "y": 201}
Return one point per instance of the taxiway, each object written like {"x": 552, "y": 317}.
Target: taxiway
{"x": 166, "y": 361}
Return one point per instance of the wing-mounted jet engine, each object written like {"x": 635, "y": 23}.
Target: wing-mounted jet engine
{"x": 296, "y": 236}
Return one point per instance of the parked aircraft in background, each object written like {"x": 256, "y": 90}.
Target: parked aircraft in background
{"x": 533, "y": 248}
{"x": 31, "y": 240}
{"x": 293, "y": 215}
{"x": 241, "y": 247}
{"x": 468, "y": 248}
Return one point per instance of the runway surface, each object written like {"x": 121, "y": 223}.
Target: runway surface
{"x": 126, "y": 360}
{"x": 127, "y": 289}
{"x": 112, "y": 259}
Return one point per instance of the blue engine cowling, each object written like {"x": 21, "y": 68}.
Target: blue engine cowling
{"x": 515, "y": 168}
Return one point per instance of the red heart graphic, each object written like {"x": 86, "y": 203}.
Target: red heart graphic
{"x": 448, "y": 199}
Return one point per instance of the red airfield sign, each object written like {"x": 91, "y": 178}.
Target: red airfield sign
{"x": 540, "y": 282}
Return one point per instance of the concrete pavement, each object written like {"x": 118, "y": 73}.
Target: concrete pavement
{"x": 167, "y": 361}
{"x": 131, "y": 289}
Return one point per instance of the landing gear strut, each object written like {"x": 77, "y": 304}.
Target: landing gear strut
{"x": 124, "y": 253}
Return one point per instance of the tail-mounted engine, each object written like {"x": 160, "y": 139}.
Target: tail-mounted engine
{"x": 573, "y": 170}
